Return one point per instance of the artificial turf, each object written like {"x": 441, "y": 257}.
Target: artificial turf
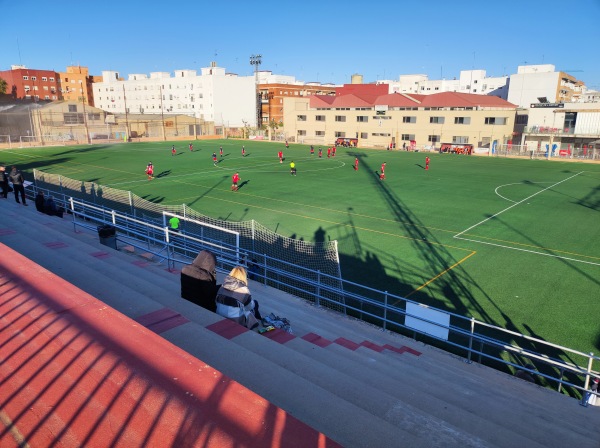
{"x": 512, "y": 242}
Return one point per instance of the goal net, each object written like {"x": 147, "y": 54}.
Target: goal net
{"x": 203, "y": 235}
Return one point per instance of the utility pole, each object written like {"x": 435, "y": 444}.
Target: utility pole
{"x": 126, "y": 116}
{"x": 85, "y": 122}
{"x": 162, "y": 113}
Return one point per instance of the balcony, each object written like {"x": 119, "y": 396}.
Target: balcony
{"x": 547, "y": 130}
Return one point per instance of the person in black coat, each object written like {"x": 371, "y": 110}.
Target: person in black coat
{"x": 199, "y": 281}
{"x": 40, "y": 202}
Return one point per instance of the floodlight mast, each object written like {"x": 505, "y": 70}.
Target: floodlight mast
{"x": 256, "y": 60}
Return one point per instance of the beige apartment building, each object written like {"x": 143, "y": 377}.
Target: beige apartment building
{"x": 366, "y": 118}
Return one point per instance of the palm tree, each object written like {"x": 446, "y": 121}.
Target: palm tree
{"x": 3, "y": 86}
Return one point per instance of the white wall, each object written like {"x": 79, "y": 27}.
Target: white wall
{"x": 526, "y": 88}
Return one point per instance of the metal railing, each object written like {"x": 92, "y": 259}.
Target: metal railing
{"x": 564, "y": 369}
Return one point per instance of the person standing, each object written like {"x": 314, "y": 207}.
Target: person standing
{"x": 4, "y": 181}
{"x": 234, "y": 182}
{"x": 293, "y": 168}
{"x": 280, "y": 155}
{"x": 243, "y": 151}
{"x": 328, "y": 152}
{"x": 214, "y": 158}
{"x": 426, "y": 163}
{"x": 191, "y": 147}
{"x": 173, "y": 150}
{"x": 287, "y": 145}
{"x": 150, "y": 171}
{"x": 312, "y": 150}
{"x": 174, "y": 224}
{"x": 356, "y": 164}
{"x": 333, "y": 149}
{"x": 16, "y": 177}
{"x": 320, "y": 153}
{"x": 382, "y": 174}
{"x": 221, "y": 151}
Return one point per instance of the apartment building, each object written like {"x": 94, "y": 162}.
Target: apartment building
{"x": 31, "y": 84}
{"x": 423, "y": 122}
{"x": 274, "y": 88}
{"x": 76, "y": 84}
{"x": 213, "y": 95}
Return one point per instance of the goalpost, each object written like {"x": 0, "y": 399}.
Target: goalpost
{"x": 27, "y": 141}
{"x": 5, "y": 139}
{"x": 218, "y": 239}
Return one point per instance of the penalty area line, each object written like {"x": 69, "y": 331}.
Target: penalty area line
{"x": 515, "y": 204}
{"x": 536, "y": 252}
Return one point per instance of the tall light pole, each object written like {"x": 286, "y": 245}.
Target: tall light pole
{"x": 256, "y": 60}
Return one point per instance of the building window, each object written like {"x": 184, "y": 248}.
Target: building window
{"x": 460, "y": 139}
{"x": 495, "y": 120}
{"x": 364, "y": 135}
{"x": 340, "y": 134}
{"x": 341, "y": 118}
{"x": 362, "y": 119}
{"x": 34, "y": 78}
{"x": 408, "y": 137}
{"x": 44, "y": 78}
{"x": 301, "y": 117}
{"x": 320, "y": 133}
{"x": 301, "y": 133}
{"x": 433, "y": 138}
{"x": 319, "y": 117}
{"x": 73, "y": 118}
{"x": 25, "y": 78}
{"x": 408, "y": 119}
{"x": 522, "y": 119}
{"x": 462, "y": 120}
{"x": 72, "y": 108}
{"x": 436, "y": 120}
{"x": 51, "y": 79}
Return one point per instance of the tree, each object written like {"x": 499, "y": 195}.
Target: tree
{"x": 3, "y": 86}
{"x": 273, "y": 126}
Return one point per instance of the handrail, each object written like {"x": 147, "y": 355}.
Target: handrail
{"x": 333, "y": 292}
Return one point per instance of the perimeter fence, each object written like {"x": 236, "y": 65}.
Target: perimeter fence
{"x": 301, "y": 258}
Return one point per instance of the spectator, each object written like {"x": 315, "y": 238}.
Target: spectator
{"x": 4, "y": 181}
{"x": 16, "y": 177}
{"x": 40, "y": 202}
{"x": 234, "y": 300}
{"x": 199, "y": 281}
{"x": 51, "y": 208}
{"x": 590, "y": 398}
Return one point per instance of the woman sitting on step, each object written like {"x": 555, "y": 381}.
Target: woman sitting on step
{"x": 234, "y": 300}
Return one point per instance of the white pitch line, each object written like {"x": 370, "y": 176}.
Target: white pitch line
{"x": 508, "y": 185}
{"x": 515, "y": 204}
{"x": 529, "y": 251}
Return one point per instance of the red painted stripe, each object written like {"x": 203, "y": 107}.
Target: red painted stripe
{"x": 100, "y": 255}
{"x": 317, "y": 340}
{"x": 227, "y": 328}
{"x": 278, "y": 335}
{"x": 346, "y": 343}
{"x": 55, "y": 245}
{"x": 372, "y": 346}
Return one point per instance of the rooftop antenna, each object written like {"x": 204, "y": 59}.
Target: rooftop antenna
{"x": 19, "y": 48}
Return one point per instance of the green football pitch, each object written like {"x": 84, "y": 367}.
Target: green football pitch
{"x": 515, "y": 243}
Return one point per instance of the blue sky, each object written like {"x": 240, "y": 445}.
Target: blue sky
{"x": 323, "y": 41}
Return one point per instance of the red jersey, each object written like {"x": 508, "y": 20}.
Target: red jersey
{"x": 280, "y": 154}
{"x": 383, "y": 167}
{"x": 235, "y": 178}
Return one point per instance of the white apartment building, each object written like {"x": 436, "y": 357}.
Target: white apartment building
{"x": 543, "y": 84}
{"x": 470, "y": 81}
{"x": 214, "y": 95}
